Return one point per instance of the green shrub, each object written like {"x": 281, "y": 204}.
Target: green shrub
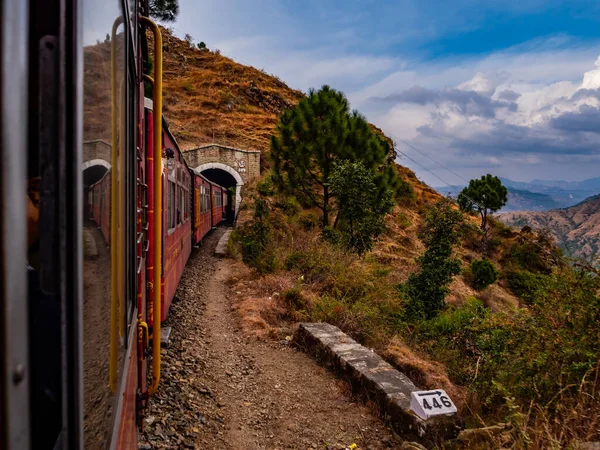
{"x": 403, "y": 221}
{"x": 483, "y": 273}
{"x": 308, "y": 221}
{"x": 294, "y": 299}
{"x": 255, "y": 240}
{"x": 530, "y": 256}
{"x": 311, "y": 264}
{"x": 331, "y": 235}
{"x": 265, "y": 187}
{"x": 528, "y": 286}
{"x": 290, "y": 206}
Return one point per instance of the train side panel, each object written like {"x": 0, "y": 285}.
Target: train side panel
{"x": 217, "y": 207}
{"x": 105, "y": 207}
{"x": 203, "y": 220}
{"x": 177, "y": 223}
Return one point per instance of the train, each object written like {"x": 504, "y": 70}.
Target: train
{"x": 192, "y": 207}
{"x": 90, "y": 258}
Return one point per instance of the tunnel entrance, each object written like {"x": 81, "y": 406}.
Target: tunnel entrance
{"x": 227, "y": 177}
{"x": 228, "y": 181}
{"x": 91, "y": 175}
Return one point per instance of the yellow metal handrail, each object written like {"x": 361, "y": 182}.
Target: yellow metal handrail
{"x": 157, "y": 110}
{"x": 114, "y": 200}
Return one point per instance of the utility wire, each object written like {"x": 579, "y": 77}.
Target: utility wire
{"x": 474, "y": 203}
{"x": 430, "y": 158}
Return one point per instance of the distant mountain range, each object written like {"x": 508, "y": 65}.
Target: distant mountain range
{"x": 575, "y": 229}
{"x": 540, "y": 195}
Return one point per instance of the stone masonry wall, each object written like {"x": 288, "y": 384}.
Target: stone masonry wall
{"x": 96, "y": 150}
{"x": 244, "y": 162}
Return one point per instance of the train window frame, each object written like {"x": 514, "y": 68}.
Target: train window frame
{"x": 14, "y": 364}
{"x": 171, "y": 186}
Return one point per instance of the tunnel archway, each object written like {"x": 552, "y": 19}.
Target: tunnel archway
{"x": 93, "y": 171}
{"x": 225, "y": 176}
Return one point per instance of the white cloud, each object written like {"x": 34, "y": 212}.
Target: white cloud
{"x": 526, "y": 134}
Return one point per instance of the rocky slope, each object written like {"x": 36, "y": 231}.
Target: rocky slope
{"x": 575, "y": 229}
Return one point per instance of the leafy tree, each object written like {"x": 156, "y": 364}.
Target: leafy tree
{"x": 255, "y": 239}
{"x": 483, "y": 272}
{"x": 484, "y": 196}
{"x": 361, "y": 211}
{"x": 428, "y": 288}
{"x": 313, "y": 135}
{"x": 164, "y": 10}
{"x": 201, "y": 45}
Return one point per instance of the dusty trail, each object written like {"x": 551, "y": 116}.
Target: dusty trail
{"x": 221, "y": 390}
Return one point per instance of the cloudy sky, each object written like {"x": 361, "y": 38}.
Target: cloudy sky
{"x": 480, "y": 86}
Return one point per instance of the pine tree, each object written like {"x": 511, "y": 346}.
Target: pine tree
{"x": 483, "y": 196}
{"x": 164, "y": 10}
{"x": 320, "y": 130}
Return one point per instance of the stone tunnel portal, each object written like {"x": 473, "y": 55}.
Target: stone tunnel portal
{"x": 227, "y": 177}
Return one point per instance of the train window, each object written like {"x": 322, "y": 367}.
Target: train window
{"x": 106, "y": 45}
{"x": 179, "y": 203}
{"x": 171, "y": 205}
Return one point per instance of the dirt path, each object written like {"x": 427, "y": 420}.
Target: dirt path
{"x": 221, "y": 390}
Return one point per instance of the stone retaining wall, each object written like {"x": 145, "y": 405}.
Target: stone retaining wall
{"x": 376, "y": 380}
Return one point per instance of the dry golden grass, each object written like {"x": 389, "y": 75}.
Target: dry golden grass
{"x": 211, "y": 98}
{"x": 423, "y": 372}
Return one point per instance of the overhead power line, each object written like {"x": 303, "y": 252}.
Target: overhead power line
{"x": 474, "y": 203}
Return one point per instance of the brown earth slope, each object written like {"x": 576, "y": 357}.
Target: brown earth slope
{"x": 211, "y": 98}
{"x": 575, "y": 229}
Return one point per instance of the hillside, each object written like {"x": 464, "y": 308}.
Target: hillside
{"x": 575, "y": 229}
{"x": 518, "y": 199}
{"x": 498, "y": 350}
{"x": 523, "y": 200}
{"x": 211, "y": 98}
{"x": 563, "y": 193}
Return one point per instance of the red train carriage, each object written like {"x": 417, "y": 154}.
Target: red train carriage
{"x": 177, "y": 223}
{"x": 224, "y": 202}
{"x": 100, "y": 205}
{"x": 202, "y": 207}
{"x": 217, "y": 204}
{"x": 88, "y": 377}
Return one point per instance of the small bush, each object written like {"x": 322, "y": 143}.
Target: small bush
{"x": 309, "y": 221}
{"x": 331, "y": 235}
{"x": 403, "y": 221}
{"x": 404, "y": 192}
{"x": 528, "y": 286}
{"x": 290, "y": 206}
{"x": 265, "y": 187}
{"x": 294, "y": 299}
{"x": 312, "y": 264}
{"x": 255, "y": 240}
{"x": 530, "y": 256}
{"x": 483, "y": 273}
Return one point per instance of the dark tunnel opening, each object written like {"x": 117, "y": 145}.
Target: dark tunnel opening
{"x": 225, "y": 179}
{"x": 91, "y": 175}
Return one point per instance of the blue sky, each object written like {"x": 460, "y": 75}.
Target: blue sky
{"x": 502, "y": 87}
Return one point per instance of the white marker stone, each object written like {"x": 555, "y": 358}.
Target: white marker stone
{"x": 426, "y": 404}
